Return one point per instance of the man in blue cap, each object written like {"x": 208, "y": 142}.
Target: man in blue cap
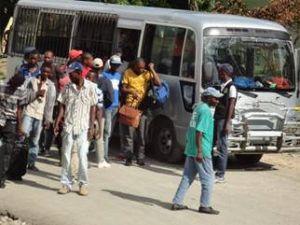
{"x": 198, "y": 149}
{"x": 223, "y": 115}
{"x": 78, "y": 107}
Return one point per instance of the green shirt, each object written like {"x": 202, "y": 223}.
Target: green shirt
{"x": 202, "y": 121}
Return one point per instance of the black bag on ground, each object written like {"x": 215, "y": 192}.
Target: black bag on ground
{"x": 18, "y": 159}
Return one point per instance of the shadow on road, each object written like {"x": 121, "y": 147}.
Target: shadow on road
{"x": 139, "y": 199}
{"x": 34, "y": 184}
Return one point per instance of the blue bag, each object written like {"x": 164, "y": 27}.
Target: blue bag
{"x": 244, "y": 82}
{"x": 157, "y": 95}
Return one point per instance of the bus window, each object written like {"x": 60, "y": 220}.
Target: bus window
{"x": 128, "y": 41}
{"x": 163, "y": 46}
{"x": 24, "y": 31}
{"x": 54, "y": 33}
{"x": 188, "y": 62}
{"x": 94, "y": 33}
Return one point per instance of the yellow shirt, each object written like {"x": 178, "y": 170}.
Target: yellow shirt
{"x": 139, "y": 83}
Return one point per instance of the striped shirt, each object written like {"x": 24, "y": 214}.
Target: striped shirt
{"x": 10, "y": 101}
{"x": 77, "y": 106}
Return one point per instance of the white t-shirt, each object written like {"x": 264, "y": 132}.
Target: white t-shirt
{"x": 232, "y": 89}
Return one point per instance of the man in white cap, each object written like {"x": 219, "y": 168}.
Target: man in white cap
{"x": 198, "y": 151}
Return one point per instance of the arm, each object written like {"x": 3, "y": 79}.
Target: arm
{"x": 99, "y": 114}
{"x": 19, "y": 120}
{"x": 59, "y": 118}
{"x": 199, "y": 145}
{"x": 155, "y": 78}
{"x": 50, "y": 101}
{"x": 92, "y": 121}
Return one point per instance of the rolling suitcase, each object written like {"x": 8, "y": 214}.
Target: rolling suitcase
{"x": 18, "y": 159}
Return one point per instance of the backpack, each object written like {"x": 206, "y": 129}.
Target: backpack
{"x": 157, "y": 95}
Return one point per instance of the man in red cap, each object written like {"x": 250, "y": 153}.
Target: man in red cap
{"x": 74, "y": 55}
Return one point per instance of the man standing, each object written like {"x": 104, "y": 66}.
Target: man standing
{"x": 199, "y": 141}
{"x": 110, "y": 113}
{"x": 223, "y": 115}
{"x": 78, "y": 107}
{"x": 40, "y": 108}
{"x": 135, "y": 84}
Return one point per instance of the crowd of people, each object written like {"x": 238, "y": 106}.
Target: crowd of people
{"x": 77, "y": 102}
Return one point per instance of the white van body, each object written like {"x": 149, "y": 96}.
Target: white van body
{"x": 186, "y": 48}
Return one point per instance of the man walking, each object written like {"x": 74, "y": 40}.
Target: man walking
{"x": 199, "y": 141}
{"x": 78, "y": 107}
{"x": 35, "y": 112}
{"x": 223, "y": 115}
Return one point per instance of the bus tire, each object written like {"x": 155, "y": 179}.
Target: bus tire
{"x": 164, "y": 143}
{"x": 250, "y": 159}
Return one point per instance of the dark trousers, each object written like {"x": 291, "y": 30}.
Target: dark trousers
{"x": 46, "y": 138}
{"x": 128, "y": 136}
{"x": 8, "y": 136}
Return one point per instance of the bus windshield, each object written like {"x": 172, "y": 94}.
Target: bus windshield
{"x": 264, "y": 64}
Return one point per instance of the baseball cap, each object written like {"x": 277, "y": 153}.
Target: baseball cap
{"x": 115, "y": 60}
{"x": 226, "y": 67}
{"x": 73, "y": 54}
{"x": 75, "y": 66}
{"x": 97, "y": 63}
{"x": 212, "y": 92}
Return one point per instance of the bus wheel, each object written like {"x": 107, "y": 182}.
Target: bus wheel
{"x": 249, "y": 159}
{"x": 164, "y": 142}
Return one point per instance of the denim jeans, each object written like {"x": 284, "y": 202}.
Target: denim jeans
{"x": 222, "y": 147}
{"x": 128, "y": 135}
{"x": 8, "y": 137}
{"x": 110, "y": 116}
{"x": 100, "y": 142}
{"x": 46, "y": 138}
{"x": 32, "y": 128}
{"x": 82, "y": 145}
{"x": 206, "y": 175}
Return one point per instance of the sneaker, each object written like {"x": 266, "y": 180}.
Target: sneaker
{"x": 64, "y": 190}
{"x": 219, "y": 180}
{"x": 32, "y": 167}
{"x": 106, "y": 164}
{"x": 208, "y": 210}
{"x": 128, "y": 162}
{"x": 141, "y": 162}
{"x": 101, "y": 165}
{"x": 83, "y": 190}
{"x": 176, "y": 207}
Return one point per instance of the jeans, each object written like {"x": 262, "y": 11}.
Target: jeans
{"x": 82, "y": 145}
{"x": 222, "y": 147}
{"x": 206, "y": 175}
{"x": 46, "y": 138}
{"x": 8, "y": 136}
{"x": 128, "y": 134}
{"x": 32, "y": 128}
{"x": 100, "y": 142}
{"x": 110, "y": 116}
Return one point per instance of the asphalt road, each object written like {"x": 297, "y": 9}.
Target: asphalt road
{"x": 263, "y": 195}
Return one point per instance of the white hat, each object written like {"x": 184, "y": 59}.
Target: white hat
{"x": 97, "y": 63}
{"x": 212, "y": 92}
{"x": 115, "y": 60}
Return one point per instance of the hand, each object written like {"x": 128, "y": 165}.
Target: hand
{"x": 47, "y": 125}
{"x": 40, "y": 93}
{"x": 199, "y": 157}
{"x": 20, "y": 131}
{"x": 135, "y": 95}
{"x": 56, "y": 130}
{"x": 225, "y": 130}
{"x": 98, "y": 134}
{"x": 151, "y": 66}
{"x": 91, "y": 133}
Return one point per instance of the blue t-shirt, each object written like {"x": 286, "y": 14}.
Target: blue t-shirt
{"x": 202, "y": 121}
{"x": 115, "y": 78}
{"x": 24, "y": 70}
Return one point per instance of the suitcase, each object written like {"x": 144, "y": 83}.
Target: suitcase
{"x": 18, "y": 159}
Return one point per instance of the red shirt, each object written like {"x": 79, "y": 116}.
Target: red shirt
{"x": 85, "y": 71}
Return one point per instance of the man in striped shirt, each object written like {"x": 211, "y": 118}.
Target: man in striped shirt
{"x": 78, "y": 107}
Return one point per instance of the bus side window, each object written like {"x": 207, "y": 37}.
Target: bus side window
{"x": 163, "y": 46}
{"x": 54, "y": 33}
{"x": 24, "y": 31}
{"x": 188, "y": 62}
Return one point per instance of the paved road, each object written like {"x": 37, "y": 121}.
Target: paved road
{"x": 262, "y": 195}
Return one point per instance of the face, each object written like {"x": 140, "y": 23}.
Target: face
{"x": 75, "y": 77}
{"x": 92, "y": 77}
{"x": 46, "y": 72}
{"x": 33, "y": 59}
{"x": 139, "y": 67}
{"x": 114, "y": 67}
{"x": 88, "y": 61}
{"x": 48, "y": 57}
{"x": 212, "y": 101}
